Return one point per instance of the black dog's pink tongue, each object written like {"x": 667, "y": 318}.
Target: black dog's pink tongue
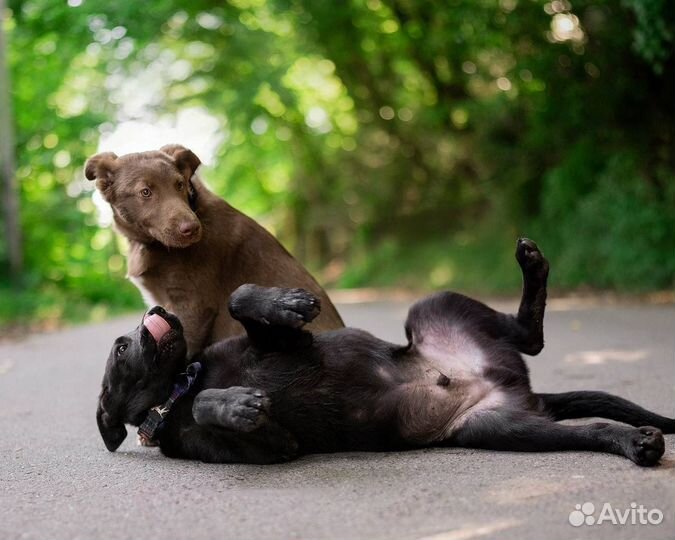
{"x": 157, "y": 326}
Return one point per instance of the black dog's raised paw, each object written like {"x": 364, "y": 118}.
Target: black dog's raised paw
{"x": 530, "y": 258}
{"x": 275, "y": 306}
{"x": 294, "y": 307}
{"x": 647, "y": 446}
{"x": 237, "y": 408}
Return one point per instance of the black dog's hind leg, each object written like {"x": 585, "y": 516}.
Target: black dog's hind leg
{"x": 272, "y": 316}
{"x": 523, "y": 432}
{"x": 586, "y": 404}
{"x": 524, "y": 331}
{"x": 528, "y": 331}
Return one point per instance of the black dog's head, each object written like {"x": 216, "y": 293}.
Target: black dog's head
{"x": 139, "y": 374}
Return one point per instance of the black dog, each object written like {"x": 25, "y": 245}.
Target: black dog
{"x": 280, "y": 391}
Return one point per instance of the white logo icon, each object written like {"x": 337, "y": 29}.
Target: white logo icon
{"x": 583, "y": 513}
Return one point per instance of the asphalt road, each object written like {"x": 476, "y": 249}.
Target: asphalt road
{"x": 57, "y": 480}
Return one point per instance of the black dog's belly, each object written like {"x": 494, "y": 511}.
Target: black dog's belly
{"x": 351, "y": 391}
{"x": 347, "y": 390}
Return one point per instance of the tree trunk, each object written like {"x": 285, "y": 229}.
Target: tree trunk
{"x": 10, "y": 192}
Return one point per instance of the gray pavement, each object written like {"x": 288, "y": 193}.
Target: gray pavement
{"x": 57, "y": 481}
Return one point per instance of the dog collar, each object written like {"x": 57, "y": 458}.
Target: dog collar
{"x": 157, "y": 414}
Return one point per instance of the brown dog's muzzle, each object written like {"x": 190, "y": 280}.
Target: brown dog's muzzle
{"x": 190, "y": 230}
{"x": 181, "y": 228}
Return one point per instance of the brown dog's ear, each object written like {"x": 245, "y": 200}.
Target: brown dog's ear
{"x": 186, "y": 161}
{"x": 172, "y": 149}
{"x": 100, "y": 167}
{"x": 113, "y": 433}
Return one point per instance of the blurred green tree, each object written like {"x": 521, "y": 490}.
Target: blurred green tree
{"x": 387, "y": 142}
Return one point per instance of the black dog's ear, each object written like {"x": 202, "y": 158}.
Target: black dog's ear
{"x": 186, "y": 161}
{"x": 113, "y": 433}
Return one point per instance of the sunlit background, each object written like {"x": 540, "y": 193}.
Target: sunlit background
{"x": 387, "y": 143}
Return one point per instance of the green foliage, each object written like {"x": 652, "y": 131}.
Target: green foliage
{"x": 619, "y": 235}
{"x": 479, "y": 261}
{"x": 654, "y": 33}
{"x": 46, "y": 306}
{"x": 386, "y": 142}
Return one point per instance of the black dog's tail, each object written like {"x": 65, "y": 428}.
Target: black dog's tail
{"x": 585, "y": 404}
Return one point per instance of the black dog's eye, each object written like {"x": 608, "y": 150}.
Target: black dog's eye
{"x": 121, "y": 349}
{"x": 180, "y": 186}
{"x": 145, "y": 192}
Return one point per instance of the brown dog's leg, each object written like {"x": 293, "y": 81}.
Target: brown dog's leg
{"x": 197, "y": 325}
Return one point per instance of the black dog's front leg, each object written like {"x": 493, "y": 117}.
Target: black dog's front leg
{"x": 523, "y": 432}
{"x": 245, "y": 413}
{"x": 272, "y": 316}
{"x": 274, "y": 306}
{"x": 228, "y": 425}
{"x": 236, "y": 408}
{"x": 213, "y": 444}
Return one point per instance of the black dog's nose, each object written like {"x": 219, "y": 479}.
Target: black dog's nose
{"x": 159, "y": 310}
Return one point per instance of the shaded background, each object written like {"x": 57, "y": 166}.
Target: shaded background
{"x": 385, "y": 142}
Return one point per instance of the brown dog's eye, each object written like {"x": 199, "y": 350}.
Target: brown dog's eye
{"x": 145, "y": 192}
{"x": 180, "y": 186}
{"x": 121, "y": 349}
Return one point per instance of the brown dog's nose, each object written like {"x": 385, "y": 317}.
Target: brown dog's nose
{"x": 188, "y": 228}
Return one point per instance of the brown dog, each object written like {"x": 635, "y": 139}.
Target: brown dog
{"x": 189, "y": 249}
